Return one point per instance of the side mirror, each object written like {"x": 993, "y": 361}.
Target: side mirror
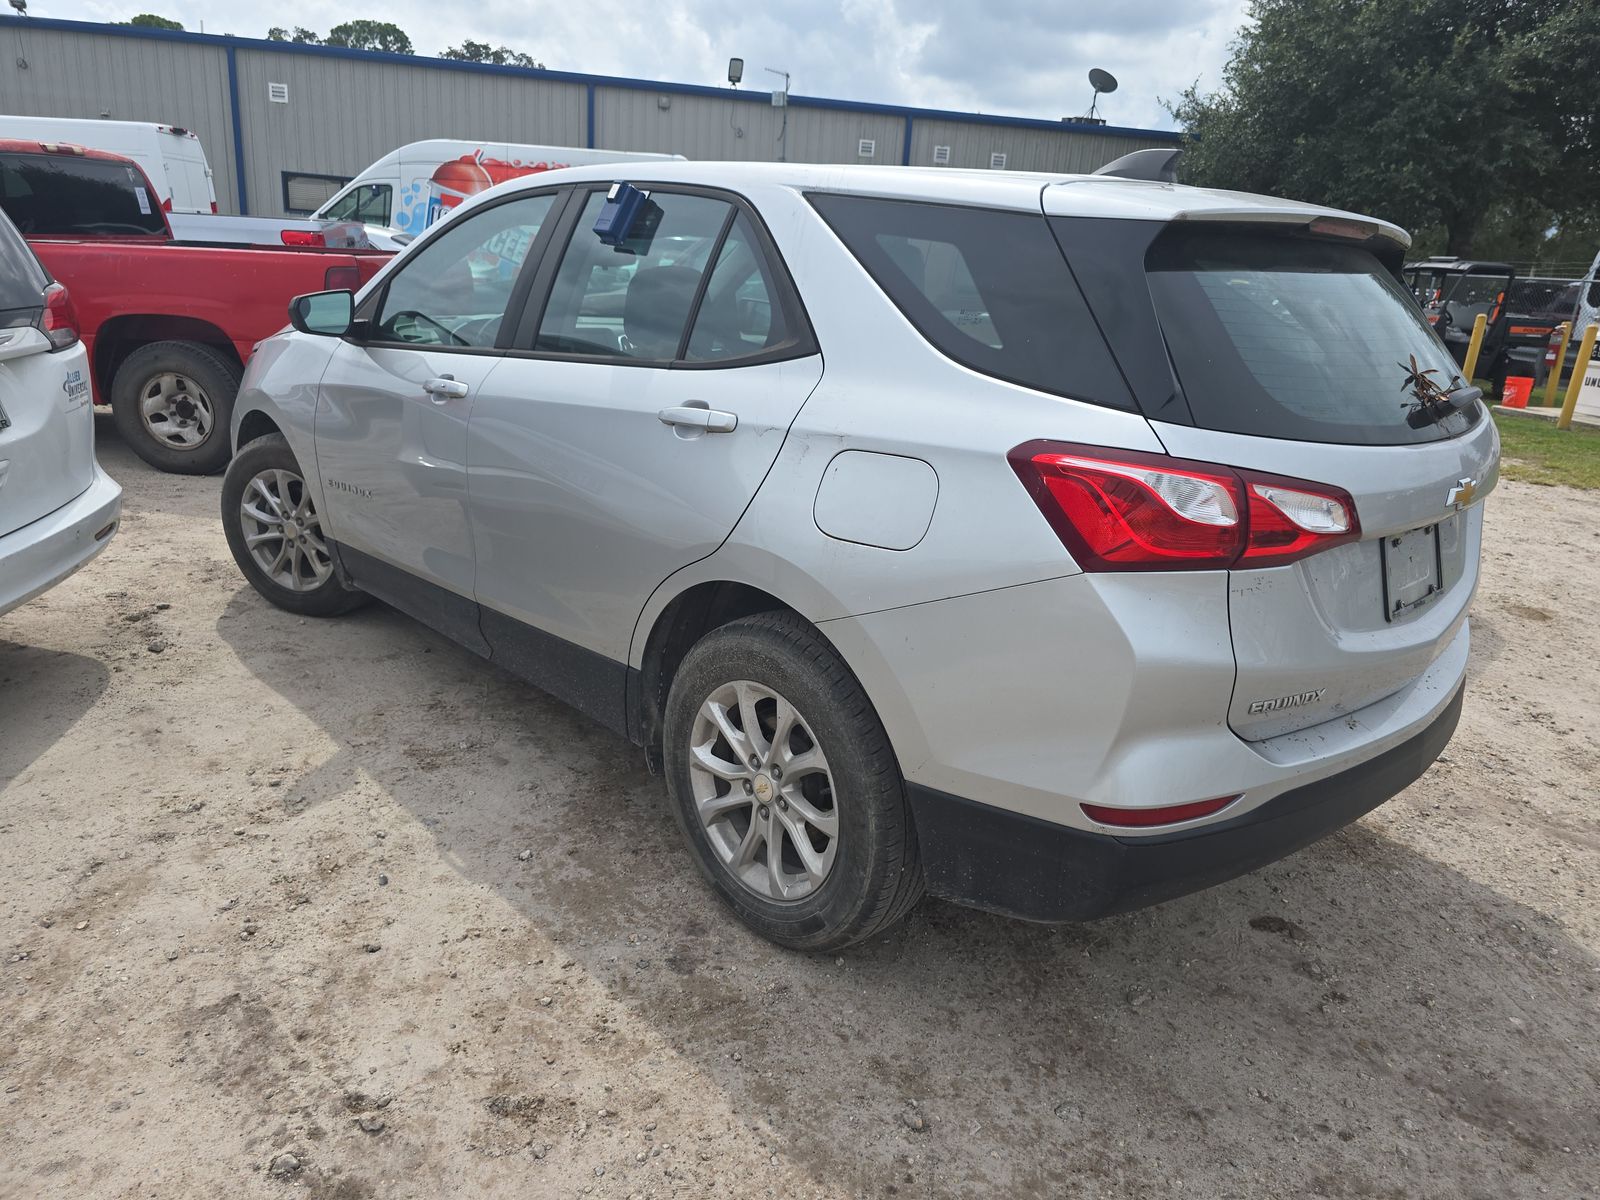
{"x": 326, "y": 314}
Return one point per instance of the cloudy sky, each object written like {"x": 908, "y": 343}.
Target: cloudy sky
{"x": 1025, "y": 57}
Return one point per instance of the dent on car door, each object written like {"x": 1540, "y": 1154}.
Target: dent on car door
{"x": 633, "y": 423}
{"x": 391, "y": 423}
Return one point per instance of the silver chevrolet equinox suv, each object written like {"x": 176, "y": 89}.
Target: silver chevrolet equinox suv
{"x": 1051, "y": 544}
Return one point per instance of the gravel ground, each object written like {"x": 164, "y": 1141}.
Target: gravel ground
{"x": 331, "y": 906}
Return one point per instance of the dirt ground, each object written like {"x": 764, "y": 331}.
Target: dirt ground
{"x": 329, "y": 908}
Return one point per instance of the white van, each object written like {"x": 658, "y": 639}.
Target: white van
{"x": 171, "y": 156}
{"x": 408, "y": 189}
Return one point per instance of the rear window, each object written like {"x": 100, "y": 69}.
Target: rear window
{"x": 987, "y": 288}
{"x": 1291, "y": 338}
{"x": 22, "y": 279}
{"x": 63, "y": 193}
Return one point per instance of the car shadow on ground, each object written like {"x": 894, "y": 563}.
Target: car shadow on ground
{"x": 43, "y": 694}
{"x": 1357, "y": 1020}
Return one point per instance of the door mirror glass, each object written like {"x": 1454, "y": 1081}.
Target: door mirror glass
{"x": 454, "y": 290}
{"x": 327, "y": 314}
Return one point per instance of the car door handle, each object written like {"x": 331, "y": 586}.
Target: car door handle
{"x": 446, "y": 387}
{"x": 689, "y": 416}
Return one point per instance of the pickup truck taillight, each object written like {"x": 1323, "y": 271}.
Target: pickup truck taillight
{"x": 59, "y": 321}
{"x": 341, "y": 279}
{"x": 1126, "y": 510}
{"x": 302, "y": 237}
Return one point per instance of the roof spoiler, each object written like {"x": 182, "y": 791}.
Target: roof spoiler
{"x": 1156, "y": 166}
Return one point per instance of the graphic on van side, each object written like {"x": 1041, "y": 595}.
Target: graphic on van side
{"x": 421, "y": 204}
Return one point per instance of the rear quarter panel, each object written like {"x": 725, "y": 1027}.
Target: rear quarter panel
{"x": 886, "y": 390}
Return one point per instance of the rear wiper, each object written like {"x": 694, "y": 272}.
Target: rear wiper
{"x": 1430, "y": 403}
{"x": 1453, "y": 401}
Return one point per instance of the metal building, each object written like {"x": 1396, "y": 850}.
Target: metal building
{"x": 285, "y": 124}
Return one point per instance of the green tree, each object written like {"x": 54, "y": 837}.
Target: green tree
{"x": 300, "y": 35}
{"x": 482, "y": 52}
{"x": 151, "y": 21}
{"x": 1430, "y": 113}
{"x": 370, "y": 35}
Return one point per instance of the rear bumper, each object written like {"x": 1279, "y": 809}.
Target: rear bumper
{"x": 1025, "y": 867}
{"x": 44, "y": 552}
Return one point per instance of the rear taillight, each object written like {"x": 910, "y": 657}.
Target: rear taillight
{"x": 1126, "y": 510}
{"x": 302, "y": 237}
{"x": 213, "y": 206}
{"x": 59, "y": 320}
{"x": 166, "y": 205}
{"x": 341, "y": 279}
{"x": 1144, "y": 818}
{"x": 1289, "y": 519}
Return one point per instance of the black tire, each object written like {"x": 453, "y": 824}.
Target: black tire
{"x": 876, "y": 875}
{"x": 216, "y": 377}
{"x": 272, "y": 452}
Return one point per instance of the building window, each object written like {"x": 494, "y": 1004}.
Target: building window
{"x": 304, "y": 193}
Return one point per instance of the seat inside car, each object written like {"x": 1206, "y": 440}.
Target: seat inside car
{"x": 656, "y": 309}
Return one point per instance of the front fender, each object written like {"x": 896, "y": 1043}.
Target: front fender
{"x": 280, "y": 383}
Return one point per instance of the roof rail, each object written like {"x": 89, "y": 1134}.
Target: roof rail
{"x": 1157, "y": 166}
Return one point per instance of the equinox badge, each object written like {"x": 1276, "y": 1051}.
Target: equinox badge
{"x": 1291, "y": 701}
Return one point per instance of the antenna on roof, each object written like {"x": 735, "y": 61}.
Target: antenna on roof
{"x": 1156, "y": 166}
{"x": 1103, "y": 82}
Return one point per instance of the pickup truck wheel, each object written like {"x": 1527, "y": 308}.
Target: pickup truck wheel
{"x": 786, "y": 787}
{"x": 275, "y": 532}
{"x": 172, "y": 402}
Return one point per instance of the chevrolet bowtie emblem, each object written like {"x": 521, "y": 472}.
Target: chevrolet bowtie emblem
{"x": 1463, "y": 494}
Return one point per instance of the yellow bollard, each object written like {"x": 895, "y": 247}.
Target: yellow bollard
{"x": 1471, "y": 365}
{"x": 1554, "y": 382}
{"x": 1579, "y": 370}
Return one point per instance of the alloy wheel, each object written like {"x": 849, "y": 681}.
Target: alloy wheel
{"x": 283, "y": 532}
{"x": 763, "y": 791}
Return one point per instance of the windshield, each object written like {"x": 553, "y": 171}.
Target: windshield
{"x": 1293, "y": 338}
{"x": 64, "y": 193}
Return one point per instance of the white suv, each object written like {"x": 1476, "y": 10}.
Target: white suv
{"x": 1053, "y": 544}
{"x": 58, "y": 509}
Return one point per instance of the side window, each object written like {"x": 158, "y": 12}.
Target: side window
{"x": 632, "y": 301}
{"x": 939, "y": 270}
{"x": 990, "y": 289}
{"x": 742, "y": 312}
{"x": 454, "y": 290}
{"x": 370, "y": 204}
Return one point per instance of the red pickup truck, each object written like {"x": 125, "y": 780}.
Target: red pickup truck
{"x": 168, "y": 327}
